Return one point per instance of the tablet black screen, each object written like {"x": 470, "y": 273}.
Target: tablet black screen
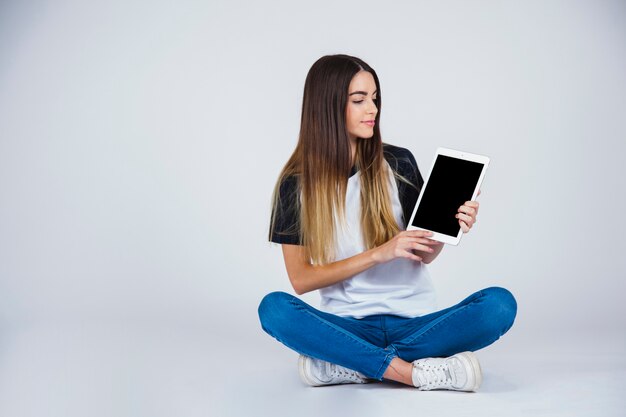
{"x": 450, "y": 185}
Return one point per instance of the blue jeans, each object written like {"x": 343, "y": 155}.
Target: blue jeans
{"x": 369, "y": 344}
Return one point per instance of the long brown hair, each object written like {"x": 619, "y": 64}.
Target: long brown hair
{"x": 322, "y": 162}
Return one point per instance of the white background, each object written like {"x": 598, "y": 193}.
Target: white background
{"x": 140, "y": 142}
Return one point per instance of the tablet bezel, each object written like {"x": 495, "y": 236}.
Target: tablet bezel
{"x": 440, "y": 237}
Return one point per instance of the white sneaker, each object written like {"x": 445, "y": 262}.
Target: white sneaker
{"x": 460, "y": 372}
{"x": 316, "y": 372}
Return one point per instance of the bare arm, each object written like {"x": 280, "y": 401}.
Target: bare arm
{"x": 306, "y": 277}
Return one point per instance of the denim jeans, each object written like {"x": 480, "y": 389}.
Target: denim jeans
{"x": 369, "y": 344}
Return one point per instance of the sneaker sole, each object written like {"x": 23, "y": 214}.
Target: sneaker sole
{"x": 302, "y": 370}
{"x": 471, "y": 358}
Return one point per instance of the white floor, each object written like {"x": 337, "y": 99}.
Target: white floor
{"x": 115, "y": 369}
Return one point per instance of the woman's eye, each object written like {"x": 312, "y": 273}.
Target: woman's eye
{"x": 358, "y": 101}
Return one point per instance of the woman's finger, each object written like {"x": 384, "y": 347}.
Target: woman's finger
{"x": 471, "y": 205}
{"x": 429, "y": 242}
{"x": 418, "y": 233}
{"x": 469, "y": 220}
{"x": 421, "y": 240}
{"x": 470, "y": 211}
{"x": 464, "y": 227}
{"x": 417, "y": 246}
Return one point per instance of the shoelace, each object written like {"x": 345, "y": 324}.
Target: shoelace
{"x": 434, "y": 376}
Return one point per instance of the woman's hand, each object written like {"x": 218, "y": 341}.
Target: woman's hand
{"x": 467, "y": 214}
{"x": 402, "y": 246}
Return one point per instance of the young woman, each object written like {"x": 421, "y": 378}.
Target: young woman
{"x": 340, "y": 207}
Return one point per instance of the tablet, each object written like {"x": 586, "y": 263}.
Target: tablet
{"x": 454, "y": 178}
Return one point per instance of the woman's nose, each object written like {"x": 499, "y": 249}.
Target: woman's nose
{"x": 372, "y": 108}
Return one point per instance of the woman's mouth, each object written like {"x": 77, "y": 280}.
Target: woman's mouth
{"x": 370, "y": 123}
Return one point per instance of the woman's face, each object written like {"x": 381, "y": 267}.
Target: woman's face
{"x": 361, "y": 110}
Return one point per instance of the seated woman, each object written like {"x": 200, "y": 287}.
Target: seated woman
{"x": 340, "y": 207}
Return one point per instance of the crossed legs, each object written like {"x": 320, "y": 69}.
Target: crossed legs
{"x": 472, "y": 324}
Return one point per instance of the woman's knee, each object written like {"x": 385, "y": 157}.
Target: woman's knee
{"x": 502, "y": 306}
{"x": 272, "y": 309}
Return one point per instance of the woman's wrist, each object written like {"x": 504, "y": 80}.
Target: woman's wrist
{"x": 374, "y": 256}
